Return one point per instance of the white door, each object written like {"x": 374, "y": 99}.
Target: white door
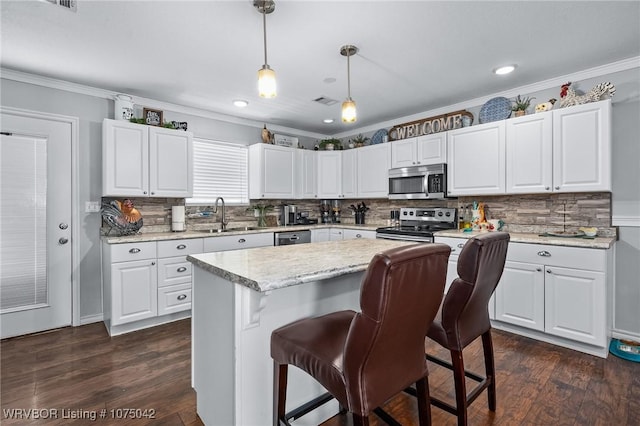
{"x": 35, "y": 225}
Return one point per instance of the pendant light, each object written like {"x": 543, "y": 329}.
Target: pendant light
{"x": 266, "y": 76}
{"x": 349, "y": 105}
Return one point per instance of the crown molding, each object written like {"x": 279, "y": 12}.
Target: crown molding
{"x": 96, "y": 92}
{"x": 623, "y": 65}
{"x": 625, "y": 221}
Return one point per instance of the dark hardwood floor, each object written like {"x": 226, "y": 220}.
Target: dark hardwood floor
{"x": 82, "y": 369}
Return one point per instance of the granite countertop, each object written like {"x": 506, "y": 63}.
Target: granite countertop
{"x": 594, "y": 243}
{"x": 255, "y": 268}
{"x": 162, "y": 236}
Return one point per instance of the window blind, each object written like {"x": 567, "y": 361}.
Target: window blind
{"x": 23, "y": 224}
{"x": 220, "y": 169}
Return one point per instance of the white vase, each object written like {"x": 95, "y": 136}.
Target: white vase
{"x": 123, "y": 107}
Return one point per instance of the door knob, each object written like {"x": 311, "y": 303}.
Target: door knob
{"x": 63, "y": 240}
{"x": 63, "y": 226}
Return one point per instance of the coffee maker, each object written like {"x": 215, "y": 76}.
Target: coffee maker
{"x": 288, "y": 214}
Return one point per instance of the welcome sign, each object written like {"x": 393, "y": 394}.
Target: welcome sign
{"x": 427, "y": 126}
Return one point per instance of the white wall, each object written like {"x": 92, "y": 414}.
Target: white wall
{"x": 91, "y": 110}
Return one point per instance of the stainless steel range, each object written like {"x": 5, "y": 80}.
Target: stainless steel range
{"x": 419, "y": 224}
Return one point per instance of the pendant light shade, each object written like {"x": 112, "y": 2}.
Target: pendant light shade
{"x": 349, "y": 114}
{"x": 266, "y": 76}
{"x": 266, "y": 82}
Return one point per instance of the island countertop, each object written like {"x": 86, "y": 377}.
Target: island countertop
{"x": 270, "y": 268}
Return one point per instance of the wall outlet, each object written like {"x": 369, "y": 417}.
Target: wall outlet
{"x": 92, "y": 206}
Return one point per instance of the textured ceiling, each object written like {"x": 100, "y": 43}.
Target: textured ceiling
{"x": 414, "y": 56}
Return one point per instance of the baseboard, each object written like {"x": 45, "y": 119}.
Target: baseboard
{"x": 626, "y": 335}
{"x": 91, "y": 319}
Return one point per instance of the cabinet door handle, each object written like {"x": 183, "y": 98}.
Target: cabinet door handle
{"x": 134, "y": 250}
{"x": 538, "y": 269}
{"x": 181, "y": 247}
{"x": 557, "y": 187}
{"x": 242, "y": 240}
{"x": 181, "y": 269}
{"x": 548, "y": 271}
{"x": 358, "y": 235}
{"x": 144, "y": 192}
{"x": 544, "y": 253}
{"x": 153, "y": 263}
{"x": 546, "y": 188}
{"x": 460, "y": 245}
{"x": 182, "y": 297}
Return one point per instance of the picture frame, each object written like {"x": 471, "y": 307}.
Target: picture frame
{"x": 285, "y": 140}
{"x": 152, "y": 117}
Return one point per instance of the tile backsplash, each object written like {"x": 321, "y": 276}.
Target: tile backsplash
{"x": 521, "y": 213}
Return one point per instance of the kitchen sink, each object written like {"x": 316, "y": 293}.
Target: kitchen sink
{"x": 238, "y": 229}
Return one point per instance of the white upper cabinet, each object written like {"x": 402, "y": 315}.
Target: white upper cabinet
{"x": 271, "y": 171}
{"x": 349, "y": 174}
{"x": 307, "y": 174}
{"x": 422, "y": 150}
{"x": 170, "y": 163}
{"x": 582, "y": 148}
{"x": 476, "y": 160}
{"x": 529, "y": 153}
{"x": 146, "y": 161}
{"x": 329, "y": 174}
{"x": 373, "y": 163}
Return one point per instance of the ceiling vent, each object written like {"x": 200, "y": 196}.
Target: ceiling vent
{"x": 71, "y": 5}
{"x": 325, "y": 101}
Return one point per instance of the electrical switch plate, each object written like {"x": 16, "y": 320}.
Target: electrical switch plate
{"x": 92, "y": 206}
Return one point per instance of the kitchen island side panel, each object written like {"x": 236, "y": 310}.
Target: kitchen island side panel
{"x": 237, "y": 340}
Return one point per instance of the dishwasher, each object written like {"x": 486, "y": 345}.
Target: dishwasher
{"x": 291, "y": 237}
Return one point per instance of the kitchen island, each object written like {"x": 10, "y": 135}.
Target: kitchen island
{"x": 240, "y": 296}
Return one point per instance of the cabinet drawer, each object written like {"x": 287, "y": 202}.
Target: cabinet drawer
{"x": 174, "y": 270}
{"x": 567, "y": 257}
{"x": 180, "y": 247}
{"x": 174, "y": 298}
{"x": 132, "y": 251}
{"x": 237, "y": 242}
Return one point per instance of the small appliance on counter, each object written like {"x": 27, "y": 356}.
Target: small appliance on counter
{"x": 177, "y": 219}
{"x": 289, "y": 215}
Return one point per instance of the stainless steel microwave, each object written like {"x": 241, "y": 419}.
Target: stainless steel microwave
{"x": 418, "y": 182}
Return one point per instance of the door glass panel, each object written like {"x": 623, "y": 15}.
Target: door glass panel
{"x": 23, "y": 214}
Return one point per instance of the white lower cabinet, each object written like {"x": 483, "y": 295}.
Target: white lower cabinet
{"x": 556, "y": 294}
{"x": 144, "y": 283}
{"x": 336, "y": 234}
{"x": 237, "y": 242}
{"x": 520, "y": 295}
{"x": 354, "y": 234}
{"x": 133, "y": 291}
{"x": 319, "y": 235}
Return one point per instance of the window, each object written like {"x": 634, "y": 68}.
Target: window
{"x": 219, "y": 170}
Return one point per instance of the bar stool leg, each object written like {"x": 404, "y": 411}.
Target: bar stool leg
{"x": 279, "y": 394}
{"x": 424, "y": 405}
{"x": 487, "y": 346}
{"x": 358, "y": 420}
{"x": 460, "y": 386}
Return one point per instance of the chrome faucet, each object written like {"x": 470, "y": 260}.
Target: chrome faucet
{"x": 223, "y": 224}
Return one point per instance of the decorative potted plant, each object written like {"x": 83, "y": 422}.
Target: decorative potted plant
{"x": 360, "y": 140}
{"x": 261, "y": 211}
{"x": 330, "y": 144}
{"x": 520, "y": 105}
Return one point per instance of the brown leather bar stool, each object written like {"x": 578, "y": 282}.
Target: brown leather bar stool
{"x": 464, "y": 316}
{"x": 365, "y": 358}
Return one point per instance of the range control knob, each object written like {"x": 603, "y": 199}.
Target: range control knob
{"x": 447, "y": 214}
{"x": 439, "y": 213}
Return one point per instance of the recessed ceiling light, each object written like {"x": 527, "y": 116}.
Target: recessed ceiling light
{"x": 504, "y": 70}
{"x": 328, "y": 120}
{"x": 240, "y": 103}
